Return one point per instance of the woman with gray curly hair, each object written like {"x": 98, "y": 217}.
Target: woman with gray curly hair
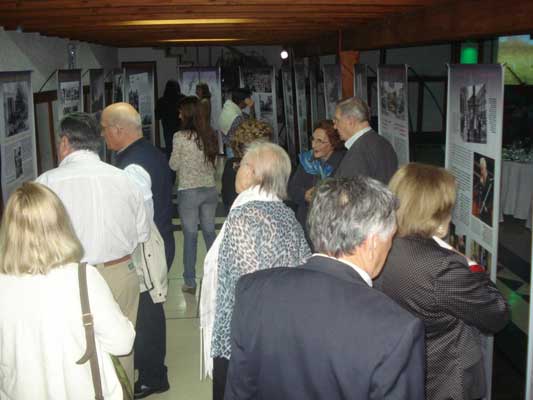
{"x": 260, "y": 232}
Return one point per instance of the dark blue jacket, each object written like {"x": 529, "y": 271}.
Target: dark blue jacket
{"x": 155, "y": 163}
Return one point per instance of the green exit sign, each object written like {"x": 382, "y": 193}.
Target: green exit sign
{"x": 469, "y": 53}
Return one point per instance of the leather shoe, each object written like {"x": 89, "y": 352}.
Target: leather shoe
{"x": 143, "y": 391}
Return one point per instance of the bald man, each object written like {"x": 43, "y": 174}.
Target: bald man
{"x": 122, "y": 130}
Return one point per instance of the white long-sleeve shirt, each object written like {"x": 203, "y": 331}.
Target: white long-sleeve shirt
{"x": 42, "y": 336}
{"x": 106, "y": 207}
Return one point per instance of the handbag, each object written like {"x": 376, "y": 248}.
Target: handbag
{"x": 90, "y": 352}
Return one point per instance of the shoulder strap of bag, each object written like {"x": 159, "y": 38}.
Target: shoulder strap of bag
{"x": 90, "y": 352}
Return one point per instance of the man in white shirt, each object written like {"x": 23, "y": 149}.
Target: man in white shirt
{"x": 106, "y": 208}
{"x": 368, "y": 154}
{"x": 320, "y": 330}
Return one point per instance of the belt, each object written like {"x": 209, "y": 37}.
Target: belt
{"x": 117, "y": 261}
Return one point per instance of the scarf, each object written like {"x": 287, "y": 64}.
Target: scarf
{"x": 210, "y": 281}
{"x": 314, "y": 166}
{"x": 230, "y": 111}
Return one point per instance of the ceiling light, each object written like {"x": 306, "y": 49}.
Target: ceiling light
{"x": 199, "y": 40}
{"x": 284, "y": 54}
{"x": 189, "y": 21}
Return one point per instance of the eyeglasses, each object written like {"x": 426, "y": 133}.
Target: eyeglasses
{"x": 319, "y": 141}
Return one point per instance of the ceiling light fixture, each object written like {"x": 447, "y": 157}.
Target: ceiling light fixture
{"x": 190, "y": 21}
{"x": 199, "y": 40}
{"x": 284, "y": 54}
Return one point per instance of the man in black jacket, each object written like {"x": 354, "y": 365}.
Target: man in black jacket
{"x": 320, "y": 331}
{"x": 368, "y": 154}
{"x": 122, "y": 130}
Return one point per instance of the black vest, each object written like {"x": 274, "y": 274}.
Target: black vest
{"x": 155, "y": 163}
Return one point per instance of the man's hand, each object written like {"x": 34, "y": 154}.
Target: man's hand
{"x": 309, "y": 194}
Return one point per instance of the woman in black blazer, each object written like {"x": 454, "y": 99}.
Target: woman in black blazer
{"x": 454, "y": 297}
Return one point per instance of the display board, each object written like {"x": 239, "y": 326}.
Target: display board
{"x": 332, "y": 88}
{"x": 96, "y": 90}
{"x": 360, "y": 81}
{"x": 189, "y": 77}
{"x": 288, "y": 105}
{"x": 301, "y": 106}
{"x": 69, "y": 94}
{"x": 118, "y": 85}
{"x": 139, "y": 91}
{"x": 17, "y": 131}
{"x": 393, "y": 116}
{"x": 473, "y": 156}
{"x": 262, "y": 82}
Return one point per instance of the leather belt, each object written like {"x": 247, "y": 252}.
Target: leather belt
{"x": 117, "y": 261}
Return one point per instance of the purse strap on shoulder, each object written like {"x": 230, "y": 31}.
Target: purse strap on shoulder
{"x": 90, "y": 352}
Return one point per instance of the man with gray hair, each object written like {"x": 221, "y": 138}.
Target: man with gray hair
{"x": 319, "y": 331}
{"x": 368, "y": 153}
{"x": 106, "y": 208}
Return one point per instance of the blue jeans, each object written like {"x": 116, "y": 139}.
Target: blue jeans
{"x": 196, "y": 205}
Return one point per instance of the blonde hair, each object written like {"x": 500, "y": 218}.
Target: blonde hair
{"x": 247, "y": 132}
{"x": 427, "y": 196}
{"x": 36, "y": 234}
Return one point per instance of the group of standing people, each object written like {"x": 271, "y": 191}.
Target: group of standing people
{"x": 381, "y": 308}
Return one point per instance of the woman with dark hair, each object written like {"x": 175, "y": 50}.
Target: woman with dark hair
{"x": 315, "y": 164}
{"x": 193, "y": 158}
{"x": 203, "y": 93}
{"x": 166, "y": 110}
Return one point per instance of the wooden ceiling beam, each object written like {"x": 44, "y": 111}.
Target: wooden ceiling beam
{"x": 455, "y": 21}
{"x": 27, "y": 5}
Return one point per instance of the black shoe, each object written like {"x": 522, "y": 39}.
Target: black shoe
{"x": 143, "y": 391}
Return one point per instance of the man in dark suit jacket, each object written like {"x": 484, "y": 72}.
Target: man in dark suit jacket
{"x": 319, "y": 331}
{"x": 368, "y": 153}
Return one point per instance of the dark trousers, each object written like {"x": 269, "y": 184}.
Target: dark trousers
{"x": 151, "y": 339}
{"x": 150, "y": 342}
{"x": 220, "y": 372}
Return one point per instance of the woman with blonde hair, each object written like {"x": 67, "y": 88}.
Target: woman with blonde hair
{"x": 41, "y": 329}
{"x": 456, "y": 300}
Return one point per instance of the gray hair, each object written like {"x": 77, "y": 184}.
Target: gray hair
{"x": 354, "y": 107}
{"x": 82, "y": 131}
{"x": 344, "y": 212}
{"x": 272, "y": 166}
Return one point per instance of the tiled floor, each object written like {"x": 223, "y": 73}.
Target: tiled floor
{"x": 183, "y": 335}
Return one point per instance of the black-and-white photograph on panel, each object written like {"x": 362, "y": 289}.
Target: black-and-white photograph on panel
{"x": 96, "y": 90}
{"x": 288, "y": 105}
{"x": 261, "y": 81}
{"x": 18, "y": 156}
{"x": 393, "y": 114}
{"x": 16, "y": 107}
{"x": 473, "y": 113}
{"x": 301, "y": 106}
{"x": 69, "y": 92}
{"x": 313, "y": 95}
{"x": 332, "y": 88}
{"x": 360, "y": 81}
{"x": 140, "y": 93}
{"x": 118, "y": 85}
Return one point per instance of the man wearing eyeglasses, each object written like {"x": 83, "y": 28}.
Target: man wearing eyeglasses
{"x": 369, "y": 154}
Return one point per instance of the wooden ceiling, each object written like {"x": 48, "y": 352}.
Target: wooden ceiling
{"x": 309, "y": 24}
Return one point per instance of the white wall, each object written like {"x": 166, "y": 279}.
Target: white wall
{"x": 21, "y": 51}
